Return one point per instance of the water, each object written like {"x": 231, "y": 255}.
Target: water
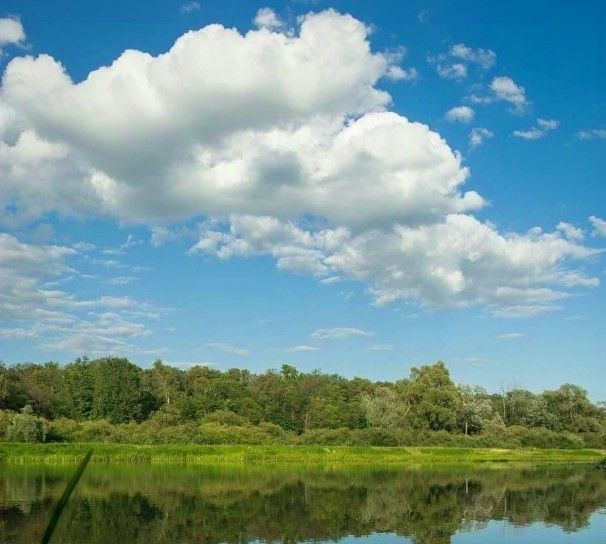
{"x": 149, "y": 504}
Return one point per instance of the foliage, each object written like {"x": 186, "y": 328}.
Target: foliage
{"x": 26, "y": 427}
{"x": 113, "y": 400}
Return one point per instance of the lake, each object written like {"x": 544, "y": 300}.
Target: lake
{"x": 176, "y": 504}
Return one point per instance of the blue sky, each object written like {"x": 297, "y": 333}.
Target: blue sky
{"x": 354, "y": 187}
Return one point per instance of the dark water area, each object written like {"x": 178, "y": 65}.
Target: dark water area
{"x": 171, "y": 504}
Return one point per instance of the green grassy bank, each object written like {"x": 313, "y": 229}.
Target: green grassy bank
{"x": 57, "y": 454}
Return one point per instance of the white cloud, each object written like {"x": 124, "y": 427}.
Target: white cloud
{"x": 462, "y": 114}
{"x": 267, "y": 18}
{"x": 454, "y": 64}
{"x": 122, "y": 249}
{"x": 542, "y": 127}
{"x": 510, "y": 336}
{"x": 11, "y": 32}
{"x": 591, "y": 134}
{"x": 229, "y": 349}
{"x": 272, "y": 113}
{"x": 18, "y": 334}
{"x": 380, "y": 347}
{"x": 599, "y": 226}
{"x": 455, "y": 70}
{"x": 454, "y": 262}
{"x": 121, "y": 280}
{"x": 570, "y": 231}
{"x": 283, "y": 142}
{"x": 303, "y": 348}
{"x": 397, "y": 73}
{"x": 478, "y": 136}
{"x": 505, "y": 89}
{"x": 339, "y": 333}
{"x": 485, "y": 58}
{"x": 189, "y": 7}
{"x": 57, "y": 319}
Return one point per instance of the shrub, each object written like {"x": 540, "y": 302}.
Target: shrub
{"x": 26, "y": 427}
{"x": 225, "y": 417}
{"x": 374, "y": 436}
{"x": 326, "y": 437}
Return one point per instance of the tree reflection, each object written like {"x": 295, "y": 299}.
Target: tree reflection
{"x": 143, "y": 504}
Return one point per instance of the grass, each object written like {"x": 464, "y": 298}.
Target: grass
{"x": 64, "y": 454}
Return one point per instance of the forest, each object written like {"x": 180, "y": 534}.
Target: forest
{"x": 113, "y": 400}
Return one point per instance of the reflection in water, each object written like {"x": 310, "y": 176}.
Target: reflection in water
{"x": 143, "y": 504}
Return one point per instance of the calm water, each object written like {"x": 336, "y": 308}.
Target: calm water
{"x": 194, "y": 505}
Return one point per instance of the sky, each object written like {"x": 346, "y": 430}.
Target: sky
{"x": 354, "y": 187}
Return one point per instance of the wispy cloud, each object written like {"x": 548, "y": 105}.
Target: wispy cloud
{"x": 591, "y": 134}
{"x": 478, "y": 136}
{"x": 189, "y": 7}
{"x": 542, "y": 127}
{"x": 339, "y": 333}
{"x": 303, "y": 348}
{"x": 510, "y": 335}
{"x": 599, "y": 226}
{"x": 229, "y": 349}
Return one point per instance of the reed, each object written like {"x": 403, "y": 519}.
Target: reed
{"x": 64, "y": 454}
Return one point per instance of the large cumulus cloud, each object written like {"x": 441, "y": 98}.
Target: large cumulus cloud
{"x": 284, "y": 142}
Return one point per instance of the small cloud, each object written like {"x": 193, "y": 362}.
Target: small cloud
{"x": 121, "y": 280}
{"x": 478, "y": 136}
{"x": 397, "y": 73}
{"x": 461, "y": 114}
{"x": 228, "y": 348}
{"x": 599, "y": 226}
{"x": 591, "y": 134}
{"x": 570, "y": 231}
{"x": 11, "y": 32}
{"x": 485, "y": 58}
{"x": 507, "y": 90}
{"x": 540, "y": 130}
{"x": 84, "y": 246}
{"x": 339, "y": 333}
{"x": 303, "y": 349}
{"x": 267, "y": 18}
{"x": 510, "y": 336}
{"x": 330, "y": 280}
{"x": 452, "y": 71}
{"x": 380, "y": 347}
{"x": 423, "y": 16}
{"x": 454, "y": 64}
{"x": 122, "y": 249}
{"x": 189, "y": 7}
{"x": 578, "y": 317}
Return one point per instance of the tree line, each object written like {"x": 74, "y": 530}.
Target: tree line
{"x": 112, "y": 399}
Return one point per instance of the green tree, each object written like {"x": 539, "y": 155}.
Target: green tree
{"x": 434, "y": 397}
{"x": 386, "y": 409}
{"x": 475, "y": 409}
{"x": 117, "y": 393}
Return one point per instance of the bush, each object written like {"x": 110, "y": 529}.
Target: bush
{"x": 374, "y": 436}
{"x": 26, "y": 427}
{"x": 326, "y": 437}
{"x": 225, "y": 417}
{"x": 6, "y": 417}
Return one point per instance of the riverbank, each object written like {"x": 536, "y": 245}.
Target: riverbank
{"x": 60, "y": 454}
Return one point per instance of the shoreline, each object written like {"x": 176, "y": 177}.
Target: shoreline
{"x": 103, "y": 453}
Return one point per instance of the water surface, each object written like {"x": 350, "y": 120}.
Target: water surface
{"x": 151, "y": 504}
